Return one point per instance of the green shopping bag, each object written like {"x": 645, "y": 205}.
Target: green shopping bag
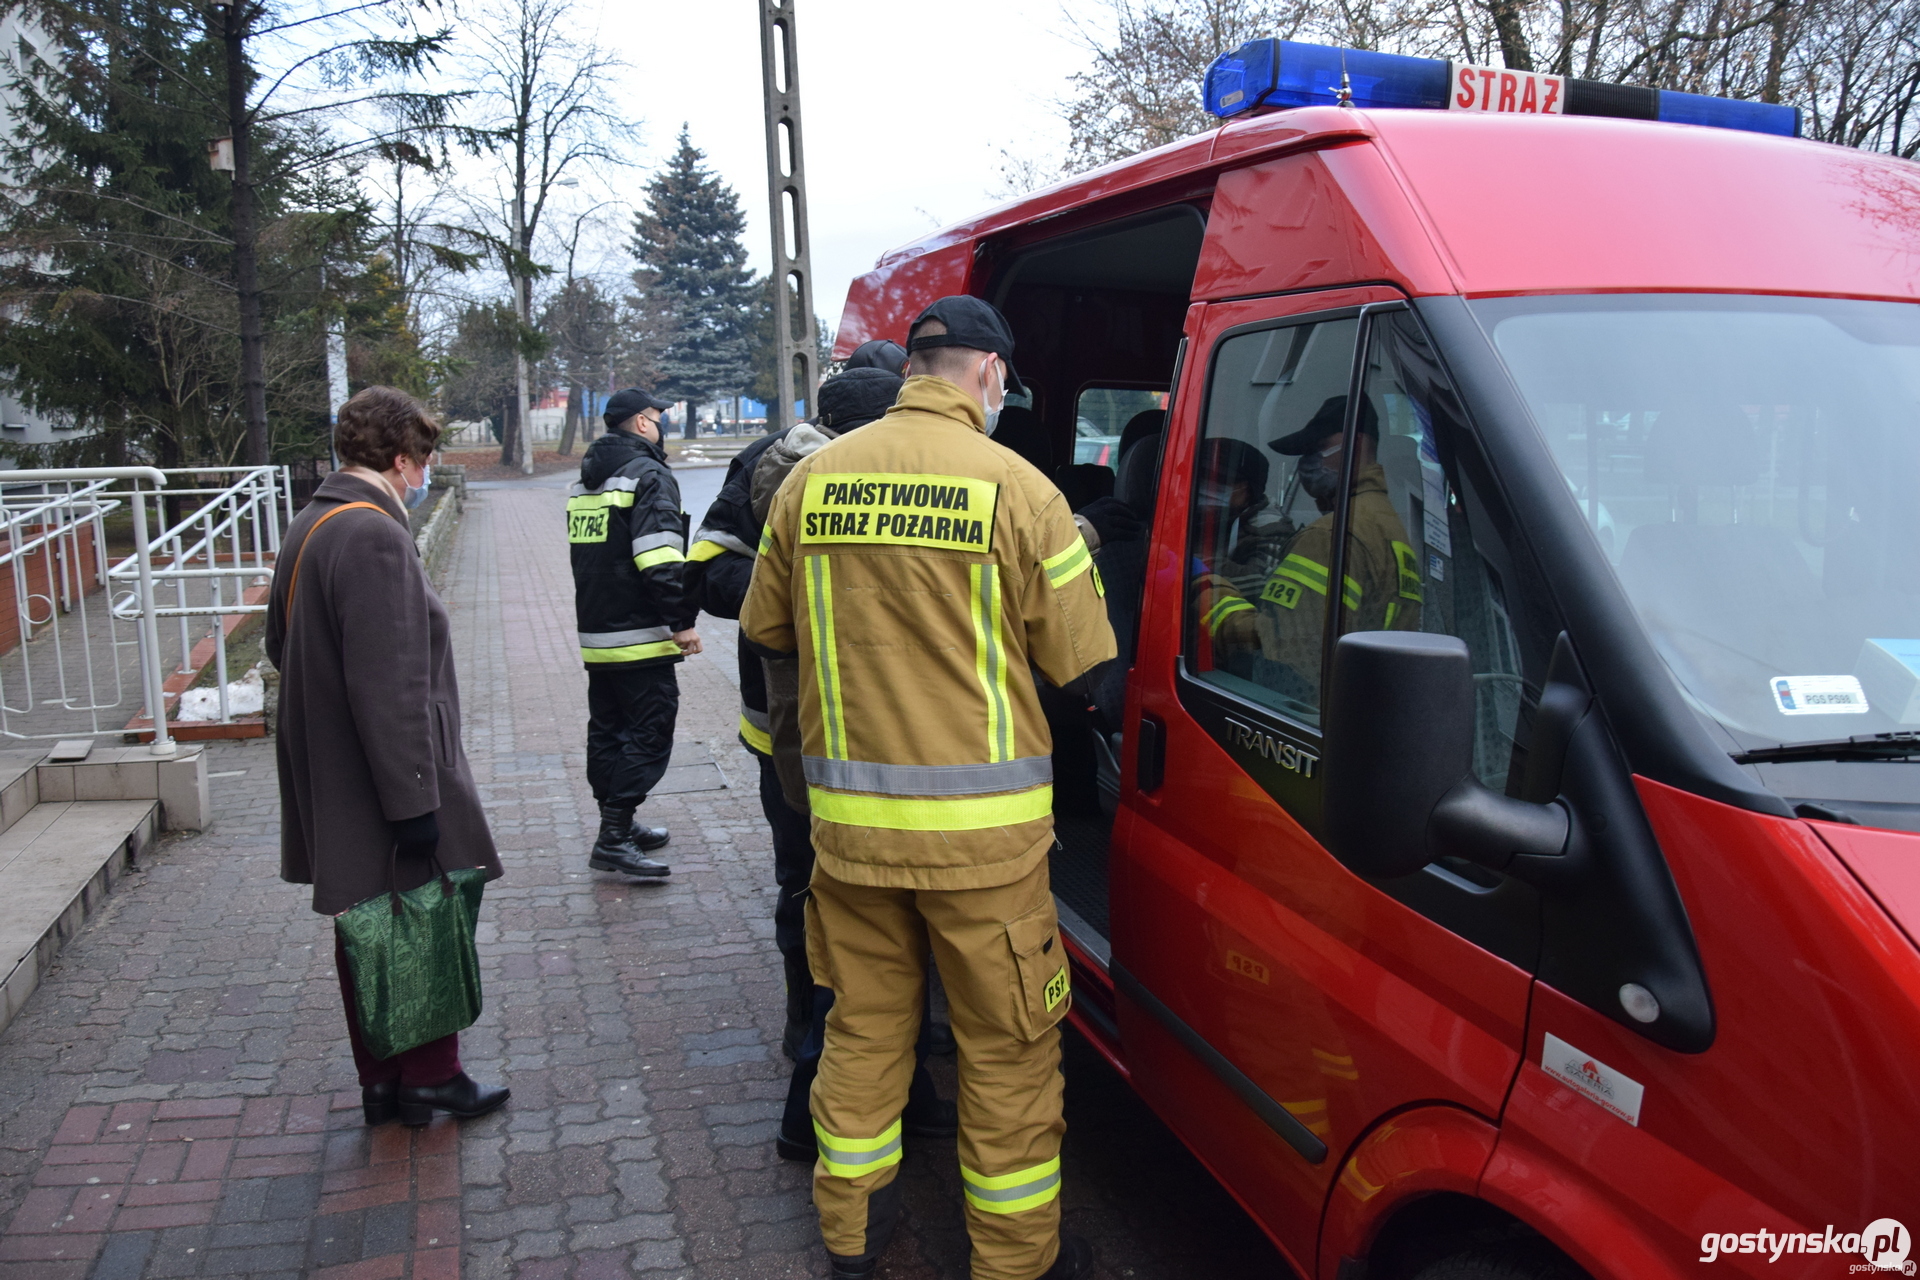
{"x": 416, "y": 973}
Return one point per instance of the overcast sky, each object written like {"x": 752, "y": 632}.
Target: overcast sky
{"x": 905, "y": 107}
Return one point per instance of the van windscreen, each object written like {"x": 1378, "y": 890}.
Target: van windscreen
{"x": 1751, "y": 468}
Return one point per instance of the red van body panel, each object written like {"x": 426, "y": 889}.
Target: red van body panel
{"x": 1414, "y": 1153}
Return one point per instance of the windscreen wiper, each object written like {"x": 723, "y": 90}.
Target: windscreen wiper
{"x": 1876, "y": 746}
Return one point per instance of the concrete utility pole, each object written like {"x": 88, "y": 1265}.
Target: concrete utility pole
{"x": 796, "y": 354}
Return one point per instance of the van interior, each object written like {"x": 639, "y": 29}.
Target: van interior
{"x": 1097, "y": 317}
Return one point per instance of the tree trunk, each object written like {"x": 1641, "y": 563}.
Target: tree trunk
{"x": 509, "y": 433}
{"x": 246, "y": 269}
{"x": 1513, "y": 37}
{"x": 573, "y": 420}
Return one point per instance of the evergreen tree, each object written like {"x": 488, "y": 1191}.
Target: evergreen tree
{"x": 693, "y": 263}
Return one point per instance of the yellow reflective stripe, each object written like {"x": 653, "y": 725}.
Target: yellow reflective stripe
{"x": 1217, "y": 616}
{"x": 704, "y": 550}
{"x": 1351, "y": 595}
{"x": 852, "y": 1157}
{"x": 632, "y": 652}
{"x": 766, "y": 540}
{"x": 826, "y": 657}
{"x": 595, "y": 501}
{"x": 1308, "y": 573}
{"x": 1393, "y": 610}
{"x": 964, "y": 813}
{"x": 755, "y": 737}
{"x": 1069, "y": 564}
{"x": 1408, "y": 564}
{"x": 990, "y": 659}
{"x": 1012, "y": 1192}
{"x": 658, "y": 556}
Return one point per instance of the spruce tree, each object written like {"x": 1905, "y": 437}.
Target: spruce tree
{"x": 688, "y": 242}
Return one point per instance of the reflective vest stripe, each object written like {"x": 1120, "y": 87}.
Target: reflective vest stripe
{"x": 632, "y": 652}
{"x": 1408, "y": 565}
{"x": 614, "y": 639}
{"x": 1313, "y": 577}
{"x": 896, "y": 813}
{"x": 753, "y": 731}
{"x": 826, "y": 657}
{"x": 1012, "y": 1192}
{"x": 851, "y": 1157}
{"x": 929, "y": 779}
{"x": 595, "y": 501}
{"x": 703, "y": 550}
{"x": 648, "y": 541}
{"x": 626, "y": 484}
{"x": 766, "y": 540}
{"x": 721, "y": 539}
{"x": 990, "y": 662}
{"x": 1069, "y": 564}
{"x": 1217, "y": 616}
{"x": 658, "y": 556}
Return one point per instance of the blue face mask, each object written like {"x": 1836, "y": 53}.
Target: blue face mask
{"x": 417, "y": 496}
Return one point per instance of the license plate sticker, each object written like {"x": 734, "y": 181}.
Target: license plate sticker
{"x": 1818, "y": 695}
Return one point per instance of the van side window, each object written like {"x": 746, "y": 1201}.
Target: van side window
{"x": 1257, "y": 591}
{"x": 1420, "y": 549}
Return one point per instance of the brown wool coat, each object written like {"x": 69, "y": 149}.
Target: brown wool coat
{"x": 369, "y": 727}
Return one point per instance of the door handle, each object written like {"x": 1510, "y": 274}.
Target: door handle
{"x": 1150, "y": 754}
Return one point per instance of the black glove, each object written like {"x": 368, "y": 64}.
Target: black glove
{"x": 418, "y": 836}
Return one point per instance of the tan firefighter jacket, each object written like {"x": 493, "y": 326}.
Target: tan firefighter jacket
{"x": 919, "y": 569}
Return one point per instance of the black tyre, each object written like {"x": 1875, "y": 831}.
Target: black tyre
{"x": 1508, "y": 1260}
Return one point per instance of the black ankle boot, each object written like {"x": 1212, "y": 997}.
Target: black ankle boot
{"x": 461, "y": 1097}
{"x": 1075, "y": 1259}
{"x": 649, "y": 838}
{"x": 381, "y": 1102}
{"x": 616, "y": 850}
{"x": 883, "y": 1215}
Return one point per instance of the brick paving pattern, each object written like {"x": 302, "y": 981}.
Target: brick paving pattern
{"x": 187, "y": 1050}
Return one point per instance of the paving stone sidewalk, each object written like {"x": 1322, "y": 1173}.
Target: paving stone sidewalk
{"x": 177, "y": 1098}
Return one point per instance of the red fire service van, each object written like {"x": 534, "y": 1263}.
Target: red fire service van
{"x": 1497, "y": 852}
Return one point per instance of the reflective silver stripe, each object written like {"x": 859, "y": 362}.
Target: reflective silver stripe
{"x": 648, "y": 541}
{"x": 886, "y": 1153}
{"x": 929, "y": 779}
{"x": 727, "y": 540}
{"x": 1001, "y": 1195}
{"x": 758, "y": 719}
{"x": 619, "y": 639}
{"x": 626, "y": 483}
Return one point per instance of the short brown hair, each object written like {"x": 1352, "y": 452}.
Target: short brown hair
{"x": 380, "y": 423}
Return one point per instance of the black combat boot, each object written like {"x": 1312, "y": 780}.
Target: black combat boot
{"x": 615, "y": 849}
{"x": 649, "y": 838}
{"x": 883, "y": 1215}
{"x": 1075, "y": 1259}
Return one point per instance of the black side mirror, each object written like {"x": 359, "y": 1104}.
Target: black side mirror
{"x": 1398, "y": 764}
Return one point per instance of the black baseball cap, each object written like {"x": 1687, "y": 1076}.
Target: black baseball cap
{"x": 1328, "y": 420}
{"x": 973, "y": 323}
{"x": 622, "y": 405}
{"x": 880, "y": 353}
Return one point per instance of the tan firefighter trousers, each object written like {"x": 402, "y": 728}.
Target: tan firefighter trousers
{"x": 1005, "y": 971}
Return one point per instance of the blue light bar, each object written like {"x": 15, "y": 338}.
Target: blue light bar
{"x": 1286, "y": 73}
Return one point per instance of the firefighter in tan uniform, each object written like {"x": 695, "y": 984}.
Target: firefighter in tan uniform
{"x": 921, "y": 572}
{"x": 1284, "y": 625}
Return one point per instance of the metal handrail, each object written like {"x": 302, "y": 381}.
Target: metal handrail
{"x": 151, "y": 683}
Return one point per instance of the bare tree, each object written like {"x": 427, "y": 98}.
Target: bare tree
{"x": 1852, "y": 66}
{"x": 541, "y": 99}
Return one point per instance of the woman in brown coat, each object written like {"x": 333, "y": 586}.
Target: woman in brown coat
{"x": 371, "y": 767}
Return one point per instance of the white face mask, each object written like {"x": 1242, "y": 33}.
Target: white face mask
{"x": 415, "y": 497}
{"x": 993, "y": 415}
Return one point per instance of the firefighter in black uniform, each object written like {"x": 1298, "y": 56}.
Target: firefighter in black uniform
{"x": 722, "y": 557}
{"x": 628, "y": 536}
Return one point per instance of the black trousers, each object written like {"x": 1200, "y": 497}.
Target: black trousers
{"x": 631, "y": 713}
{"x": 792, "y": 869}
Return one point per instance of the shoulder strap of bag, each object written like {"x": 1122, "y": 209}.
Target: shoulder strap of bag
{"x": 293, "y": 579}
